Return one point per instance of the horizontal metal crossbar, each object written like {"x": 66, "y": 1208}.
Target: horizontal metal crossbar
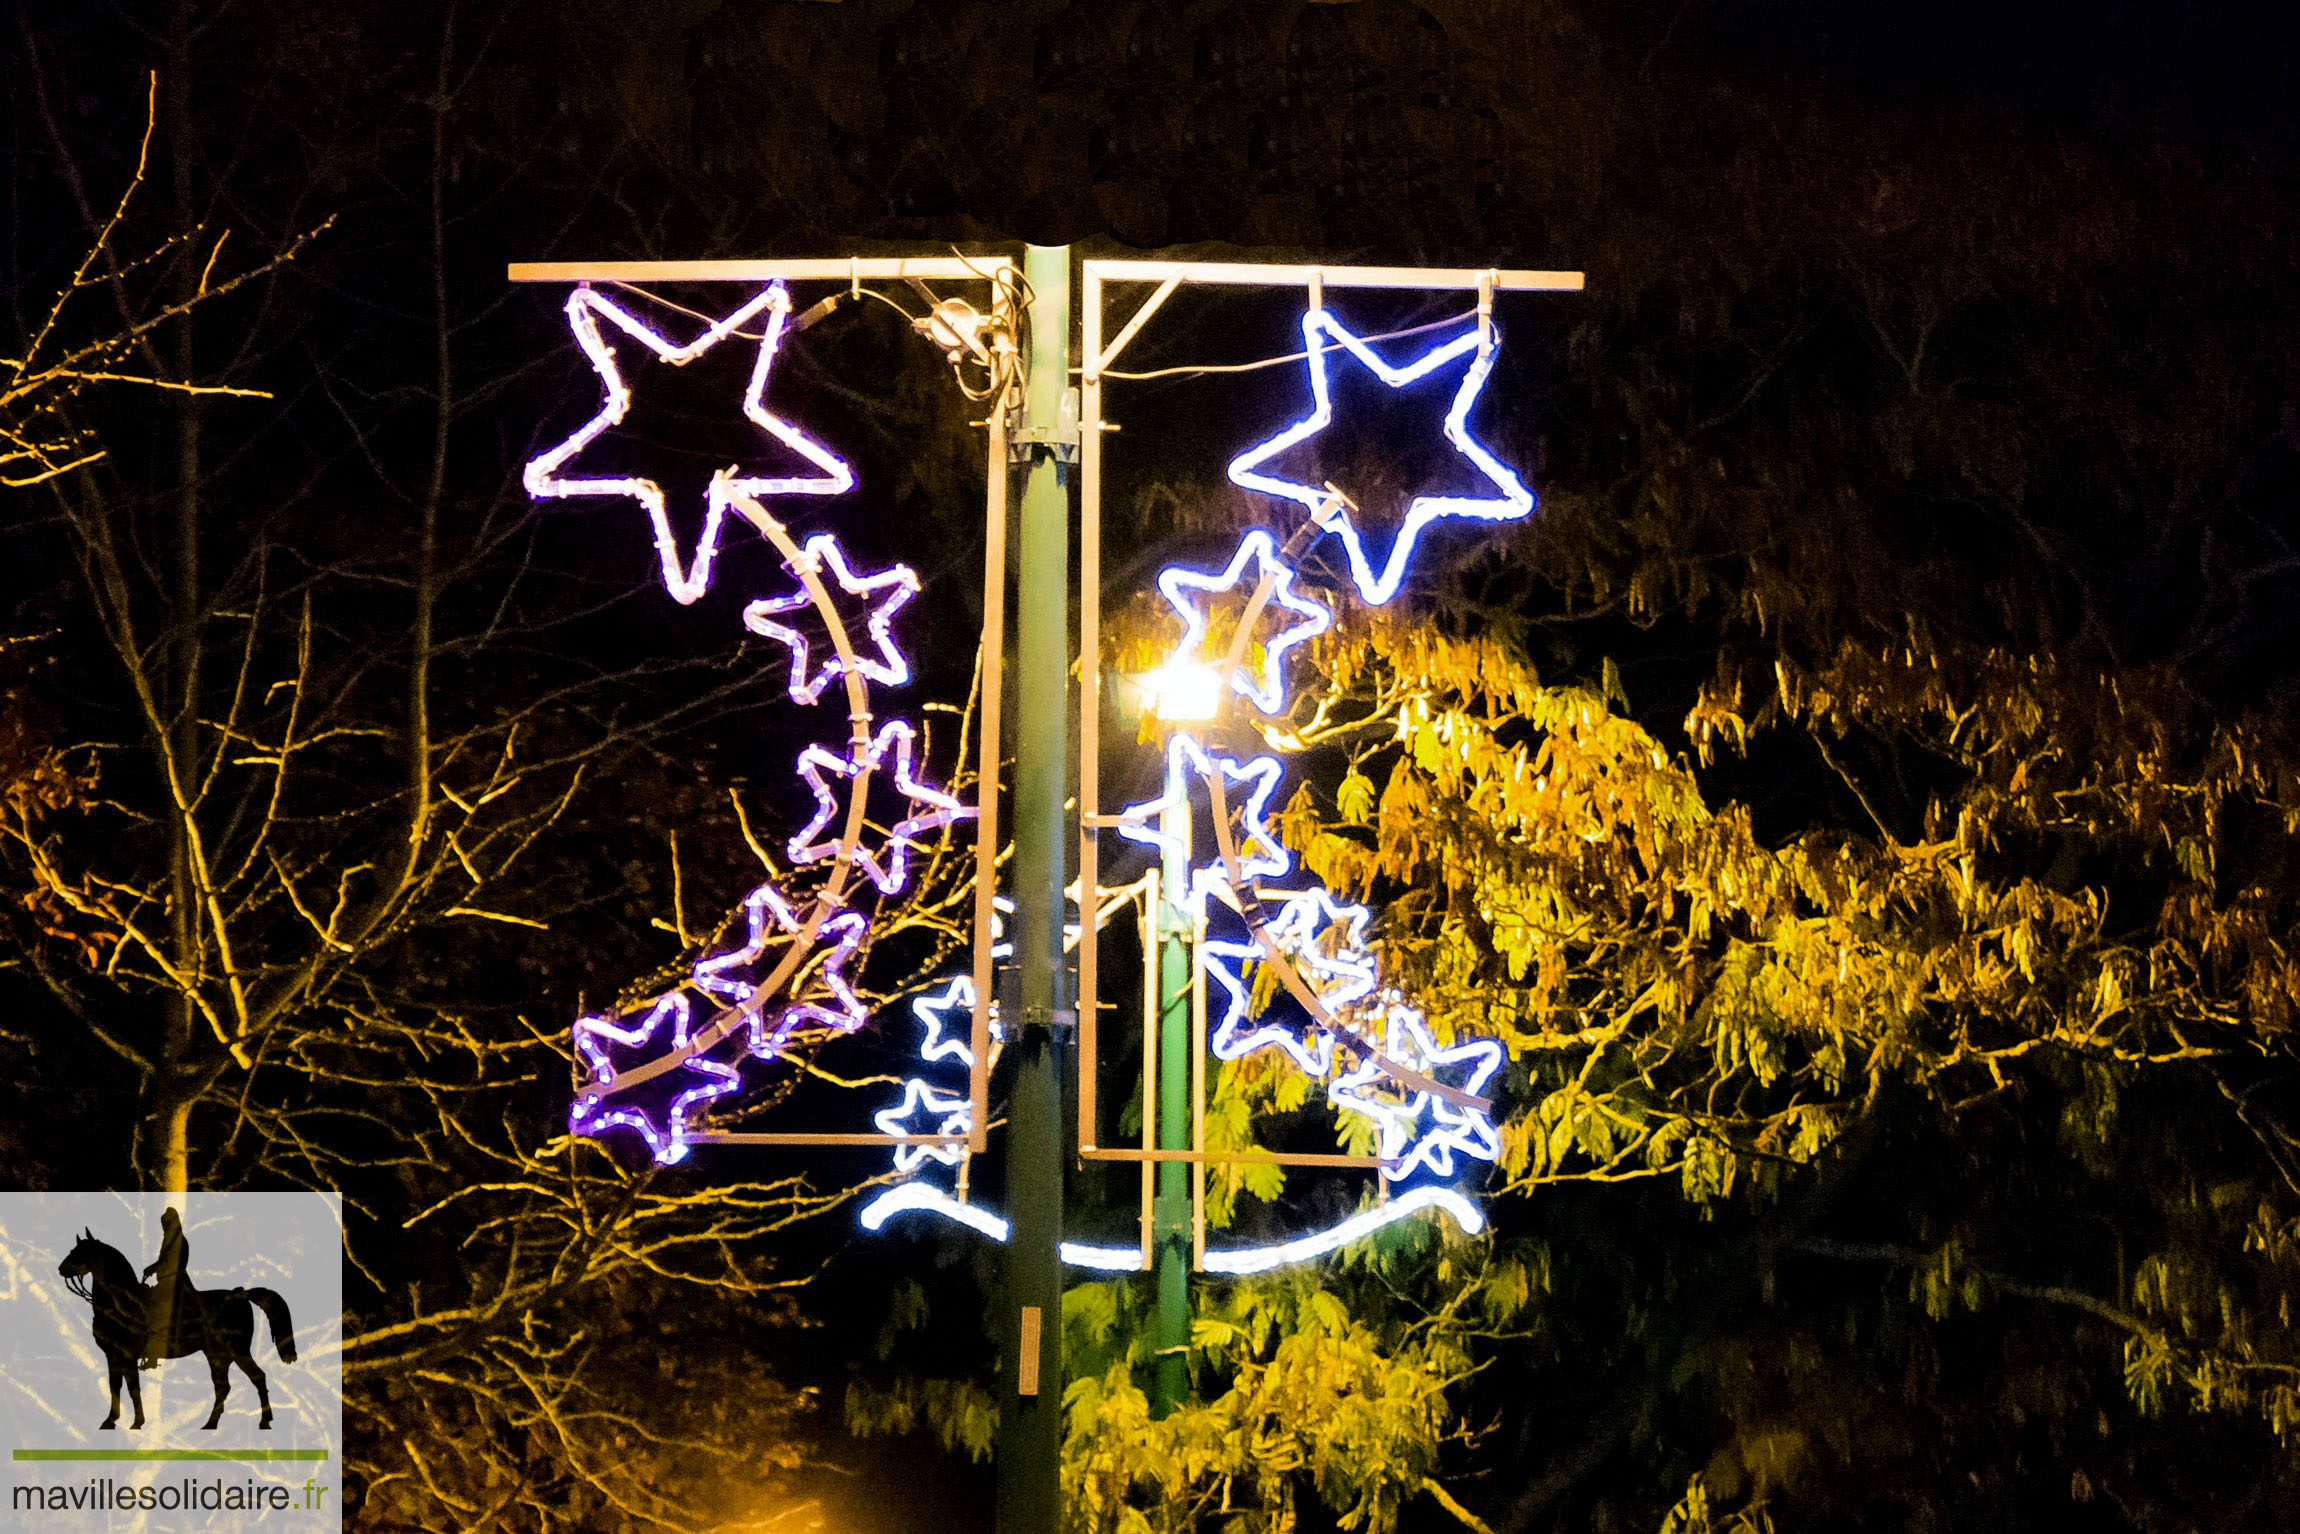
{"x": 1250, "y": 274}
{"x": 801, "y": 269}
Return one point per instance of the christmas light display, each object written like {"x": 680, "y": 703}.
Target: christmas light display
{"x": 1330, "y": 510}
{"x": 686, "y": 582}
{"x": 799, "y": 939}
{"x": 1407, "y": 1146}
{"x": 863, "y": 758}
{"x": 898, "y": 583}
{"x": 1268, "y": 692}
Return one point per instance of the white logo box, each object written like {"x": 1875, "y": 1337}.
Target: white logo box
{"x": 258, "y": 1260}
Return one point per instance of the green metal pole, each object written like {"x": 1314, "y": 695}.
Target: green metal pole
{"x": 1029, "y": 1430}
{"x": 1171, "y": 1383}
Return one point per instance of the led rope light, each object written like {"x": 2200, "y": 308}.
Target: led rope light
{"x": 1186, "y": 763}
{"x": 941, "y": 809}
{"x": 1404, "y": 1144}
{"x": 1240, "y": 1261}
{"x": 1349, "y": 973}
{"x": 1261, "y": 1259}
{"x": 768, "y": 916}
{"x": 686, "y": 583}
{"x": 1268, "y": 693}
{"x": 669, "y": 1144}
{"x": 1327, "y": 508}
{"x": 898, "y": 582}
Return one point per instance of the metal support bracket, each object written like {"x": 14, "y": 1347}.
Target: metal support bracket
{"x": 1062, "y": 1022}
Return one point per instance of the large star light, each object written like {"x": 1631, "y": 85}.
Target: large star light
{"x": 1268, "y": 691}
{"x": 1408, "y": 1143}
{"x": 891, "y": 588}
{"x": 685, "y": 581}
{"x": 936, "y": 808}
{"x": 1512, "y": 501}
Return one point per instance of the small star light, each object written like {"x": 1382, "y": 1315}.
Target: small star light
{"x": 592, "y": 1036}
{"x": 939, "y": 809}
{"x": 1269, "y": 692}
{"x": 1340, "y": 971}
{"x": 767, "y": 916}
{"x": 1259, "y": 851}
{"x": 954, "y": 1110}
{"x": 1405, "y": 1143}
{"x": 892, "y": 587}
{"x": 1328, "y": 508}
{"x": 585, "y": 308}
{"x": 844, "y": 933}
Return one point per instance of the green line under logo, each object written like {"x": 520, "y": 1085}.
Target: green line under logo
{"x": 149, "y": 1454}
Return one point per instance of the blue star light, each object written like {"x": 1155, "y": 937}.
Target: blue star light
{"x": 1405, "y": 1143}
{"x": 1340, "y": 971}
{"x": 1187, "y": 762}
{"x": 1330, "y": 509}
{"x": 1268, "y": 693}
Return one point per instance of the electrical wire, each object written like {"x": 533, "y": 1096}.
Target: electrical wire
{"x": 1275, "y": 362}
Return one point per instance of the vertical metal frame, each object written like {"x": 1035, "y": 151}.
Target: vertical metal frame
{"x": 1094, "y": 359}
{"x": 856, "y": 270}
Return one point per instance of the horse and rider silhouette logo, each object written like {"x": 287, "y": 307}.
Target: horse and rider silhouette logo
{"x": 137, "y": 1325}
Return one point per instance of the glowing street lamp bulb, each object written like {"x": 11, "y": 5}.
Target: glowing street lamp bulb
{"x": 1184, "y": 691}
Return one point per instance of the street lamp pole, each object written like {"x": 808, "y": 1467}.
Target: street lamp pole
{"x": 1029, "y": 1432}
{"x": 1171, "y": 1081}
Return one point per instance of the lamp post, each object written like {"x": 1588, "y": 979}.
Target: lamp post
{"x": 1030, "y": 1397}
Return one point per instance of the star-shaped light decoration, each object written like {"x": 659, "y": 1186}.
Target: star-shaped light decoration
{"x": 1266, "y": 692}
{"x": 1187, "y": 764}
{"x": 588, "y": 1115}
{"x": 1406, "y": 1143}
{"x": 768, "y": 917}
{"x": 933, "y": 1014}
{"x": 1331, "y": 510}
{"x": 1325, "y": 939}
{"x": 843, "y": 934}
{"x": 890, "y": 588}
{"x": 949, "y": 1112}
{"x": 952, "y": 1113}
{"x": 543, "y": 479}
{"x": 935, "y": 809}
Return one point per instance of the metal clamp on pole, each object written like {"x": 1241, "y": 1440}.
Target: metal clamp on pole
{"x": 1059, "y": 439}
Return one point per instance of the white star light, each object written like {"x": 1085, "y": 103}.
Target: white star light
{"x": 1514, "y": 501}
{"x": 1187, "y": 763}
{"x": 953, "y": 1110}
{"x": 585, "y": 308}
{"x": 1405, "y": 1144}
{"x": 1269, "y": 692}
{"x": 1340, "y": 971}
